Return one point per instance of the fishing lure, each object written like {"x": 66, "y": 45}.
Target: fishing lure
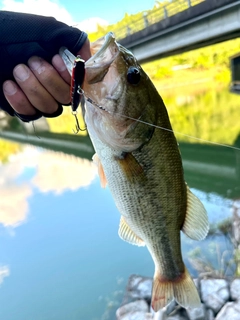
{"x": 78, "y": 73}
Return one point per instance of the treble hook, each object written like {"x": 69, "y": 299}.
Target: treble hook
{"x": 77, "y": 126}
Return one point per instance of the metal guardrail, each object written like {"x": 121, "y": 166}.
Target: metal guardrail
{"x": 162, "y": 11}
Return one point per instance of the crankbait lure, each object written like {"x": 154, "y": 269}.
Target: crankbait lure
{"x": 78, "y": 73}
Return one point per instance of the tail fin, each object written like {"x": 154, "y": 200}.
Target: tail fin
{"x": 183, "y": 290}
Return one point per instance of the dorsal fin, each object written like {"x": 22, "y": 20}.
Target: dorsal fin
{"x": 196, "y": 224}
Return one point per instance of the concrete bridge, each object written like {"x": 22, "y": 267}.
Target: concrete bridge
{"x": 209, "y": 22}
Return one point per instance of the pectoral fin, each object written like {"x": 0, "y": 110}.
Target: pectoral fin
{"x": 196, "y": 224}
{"x": 131, "y": 167}
{"x": 126, "y": 234}
{"x": 101, "y": 173}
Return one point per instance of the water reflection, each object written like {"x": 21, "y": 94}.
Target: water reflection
{"x": 14, "y": 194}
{"x": 47, "y": 171}
{"x": 58, "y": 172}
{"x": 208, "y": 113}
{"x": 69, "y": 253}
{"x": 212, "y": 168}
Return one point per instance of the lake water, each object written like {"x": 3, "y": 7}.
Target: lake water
{"x": 60, "y": 254}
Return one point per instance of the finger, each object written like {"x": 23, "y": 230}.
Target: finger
{"x": 37, "y": 95}
{"x": 61, "y": 68}
{"x": 85, "y": 52}
{"x": 17, "y": 99}
{"x": 50, "y": 79}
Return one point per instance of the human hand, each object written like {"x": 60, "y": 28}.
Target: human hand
{"x": 41, "y": 86}
{"x": 38, "y": 86}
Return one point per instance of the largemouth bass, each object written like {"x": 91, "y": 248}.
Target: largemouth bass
{"x": 142, "y": 166}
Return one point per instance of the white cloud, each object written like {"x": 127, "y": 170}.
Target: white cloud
{"x": 54, "y": 9}
{"x": 4, "y": 272}
{"x": 91, "y": 25}
{"x": 42, "y": 7}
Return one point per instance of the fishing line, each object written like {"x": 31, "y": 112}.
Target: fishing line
{"x": 183, "y": 134}
{"x": 159, "y": 127}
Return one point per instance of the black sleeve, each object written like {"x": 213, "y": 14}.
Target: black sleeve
{"x": 24, "y": 35}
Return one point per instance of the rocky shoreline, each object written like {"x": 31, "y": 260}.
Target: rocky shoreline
{"x": 220, "y": 297}
{"x": 220, "y": 301}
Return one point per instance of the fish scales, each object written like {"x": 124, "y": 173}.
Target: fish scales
{"x": 138, "y": 207}
{"x": 142, "y": 166}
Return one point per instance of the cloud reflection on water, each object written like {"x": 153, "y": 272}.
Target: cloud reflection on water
{"x": 58, "y": 172}
{"x": 14, "y": 204}
{"x": 52, "y": 172}
{"x": 14, "y": 196}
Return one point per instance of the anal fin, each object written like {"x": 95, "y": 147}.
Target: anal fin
{"x": 126, "y": 234}
{"x": 103, "y": 179}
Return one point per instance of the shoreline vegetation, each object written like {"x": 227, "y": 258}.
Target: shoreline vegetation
{"x": 208, "y": 65}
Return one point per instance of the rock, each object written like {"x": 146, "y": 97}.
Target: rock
{"x": 178, "y": 314}
{"x": 236, "y": 221}
{"x": 139, "y": 305}
{"x": 160, "y": 315}
{"x": 197, "y": 313}
{"x": 176, "y": 317}
{"x": 209, "y": 314}
{"x": 231, "y": 310}
{"x": 214, "y": 293}
{"x": 235, "y": 289}
{"x": 166, "y": 310}
{"x": 236, "y": 230}
{"x": 196, "y": 282}
{"x": 136, "y": 315}
{"x": 171, "y": 307}
{"x": 139, "y": 287}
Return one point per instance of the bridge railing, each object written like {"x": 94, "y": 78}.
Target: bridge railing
{"x": 162, "y": 11}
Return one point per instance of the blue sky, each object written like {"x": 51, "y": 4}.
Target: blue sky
{"x": 111, "y": 11}
{"x": 86, "y": 13}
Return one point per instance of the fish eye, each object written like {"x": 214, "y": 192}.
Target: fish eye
{"x": 133, "y": 75}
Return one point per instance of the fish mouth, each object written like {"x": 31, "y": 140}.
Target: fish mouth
{"x": 105, "y": 50}
{"x": 99, "y": 50}
{"x": 99, "y": 84}
{"x": 102, "y": 80}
